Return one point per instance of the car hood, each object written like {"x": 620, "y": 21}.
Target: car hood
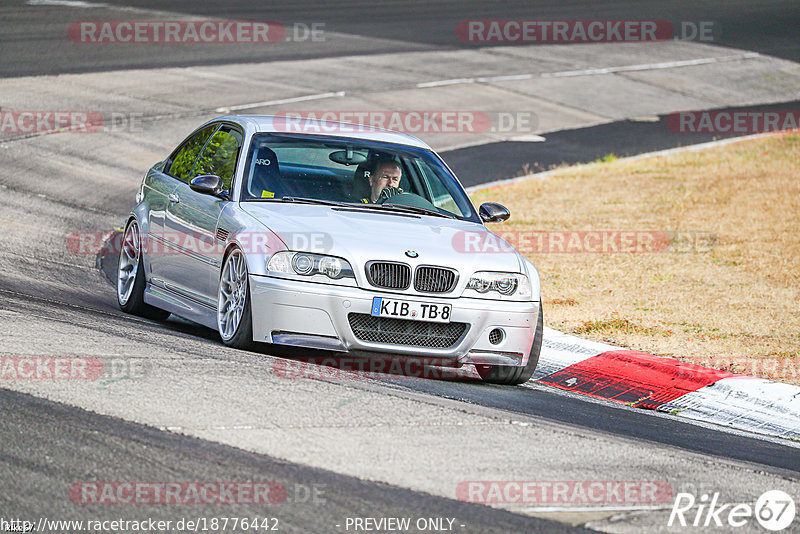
{"x": 360, "y": 235}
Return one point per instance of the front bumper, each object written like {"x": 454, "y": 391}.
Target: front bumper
{"x": 312, "y": 315}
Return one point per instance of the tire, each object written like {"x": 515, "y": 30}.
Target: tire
{"x": 130, "y": 276}
{"x": 510, "y": 375}
{"x": 234, "y": 316}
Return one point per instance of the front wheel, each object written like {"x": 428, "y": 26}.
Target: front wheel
{"x": 234, "y": 319}
{"x": 509, "y": 374}
{"x": 130, "y": 276}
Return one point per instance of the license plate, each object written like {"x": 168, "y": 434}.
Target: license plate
{"x": 415, "y": 311}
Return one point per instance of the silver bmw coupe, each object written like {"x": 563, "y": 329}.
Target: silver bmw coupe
{"x": 333, "y": 237}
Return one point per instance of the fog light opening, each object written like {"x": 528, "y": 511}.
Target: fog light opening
{"x": 496, "y": 336}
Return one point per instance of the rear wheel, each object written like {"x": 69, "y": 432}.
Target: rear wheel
{"x": 130, "y": 276}
{"x": 511, "y": 375}
{"x": 234, "y": 319}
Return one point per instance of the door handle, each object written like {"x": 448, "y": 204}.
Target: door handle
{"x": 175, "y": 199}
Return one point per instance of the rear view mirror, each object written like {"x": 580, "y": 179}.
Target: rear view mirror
{"x": 348, "y": 157}
{"x": 491, "y": 212}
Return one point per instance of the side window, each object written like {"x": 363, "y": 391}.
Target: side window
{"x": 219, "y": 156}
{"x": 441, "y": 196}
{"x": 183, "y": 162}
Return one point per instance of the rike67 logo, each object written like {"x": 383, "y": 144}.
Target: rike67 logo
{"x": 774, "y": 511}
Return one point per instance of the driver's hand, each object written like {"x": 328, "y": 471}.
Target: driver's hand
{"x": 388, "y": 192}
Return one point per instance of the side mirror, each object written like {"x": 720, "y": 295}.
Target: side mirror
{"x": 490, "y": 212}
{"x": 208, "y": 184}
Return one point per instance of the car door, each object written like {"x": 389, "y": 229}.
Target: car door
{"x": 161, "y": 185}
{"x": 192, "y": 217}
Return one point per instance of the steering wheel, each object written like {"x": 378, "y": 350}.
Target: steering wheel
{"x": 407, "y": 199}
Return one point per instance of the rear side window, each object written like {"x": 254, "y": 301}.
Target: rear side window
{"x": 219, "y": 156}
{"x": 183, "y": 162}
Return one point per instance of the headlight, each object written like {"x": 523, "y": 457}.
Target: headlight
{"x": 315, "y": 267}
{"x": 331, "y": 267}
{"x": 505, "y": 284}
{"x": 303, "y": 264}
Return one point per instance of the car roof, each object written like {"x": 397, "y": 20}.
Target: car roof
{"x": 278, "y": 124}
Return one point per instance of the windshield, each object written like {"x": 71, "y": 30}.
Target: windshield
{"x": 351, "y": 171}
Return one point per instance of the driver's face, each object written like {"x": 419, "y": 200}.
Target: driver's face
{"x": 387, "y": 175}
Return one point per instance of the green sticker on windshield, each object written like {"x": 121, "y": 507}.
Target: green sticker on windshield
{"x": 267, "y": 194}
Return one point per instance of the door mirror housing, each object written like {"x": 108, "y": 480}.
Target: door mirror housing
{"x": 491, "y": 212}
{"x": 208, "y": 184}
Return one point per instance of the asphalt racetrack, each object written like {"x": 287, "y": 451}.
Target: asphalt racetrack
{"x": 181, "y": 407}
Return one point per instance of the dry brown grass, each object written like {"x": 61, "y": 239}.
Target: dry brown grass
{"x": 733, "y": 306}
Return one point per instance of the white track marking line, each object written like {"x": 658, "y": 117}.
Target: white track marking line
{"x": 551, "y": 509}
{"x": 652, "y": 66}
{"x": 454, "y": 81}
{"x": 480, "y": 79}
{"x": 592, "y": 72}
{"x": 80, "y": 4}
{"x": 66, "y": 3}
{"x": 320, "y": 96}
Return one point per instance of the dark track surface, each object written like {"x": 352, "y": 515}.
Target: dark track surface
{"x": 639, "y": 424}
{"x": 35, "y": 37}
{"x": 91, "y": 448}
{"x": 582, "y": 145}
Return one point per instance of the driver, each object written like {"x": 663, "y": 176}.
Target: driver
{"x": 384, "y": 181}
